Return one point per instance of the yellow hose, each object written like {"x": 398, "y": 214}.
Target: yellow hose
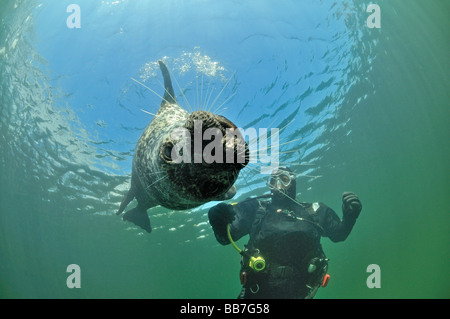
{"x": 231, "y": 239}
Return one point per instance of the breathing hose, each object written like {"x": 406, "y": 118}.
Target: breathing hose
{"x": 256, "y": 263}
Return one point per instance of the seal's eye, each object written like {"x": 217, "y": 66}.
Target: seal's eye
{"x": 167, "y": 152}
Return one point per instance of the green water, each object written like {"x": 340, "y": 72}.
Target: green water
{"x": 395, "y": 156}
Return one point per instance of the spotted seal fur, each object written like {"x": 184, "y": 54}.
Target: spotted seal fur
{"x": 158, "y": 180}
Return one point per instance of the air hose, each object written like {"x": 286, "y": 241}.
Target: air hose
{"x": 256, "y": 263}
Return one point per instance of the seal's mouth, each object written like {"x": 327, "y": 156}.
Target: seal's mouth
{"x": 211, "y": 188}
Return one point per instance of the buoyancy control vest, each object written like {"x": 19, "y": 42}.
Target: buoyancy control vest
{"x": 289, "y": 241}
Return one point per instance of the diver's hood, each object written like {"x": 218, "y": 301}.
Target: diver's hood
{"x": 279, "y": 199}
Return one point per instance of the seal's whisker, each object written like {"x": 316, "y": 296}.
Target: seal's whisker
{"x": 291, "y": 141}
{"x": 229, "y": 98}
{"x": 162, "y": 85}
{"x": 284, "y": 127}
{"x": 297, "y": 164}
{"x": 243, "y": 151}
{"x": 256, "y": 138}
{"x": 243, "y": 174}
{"x": 148, "y": 112}
{"x": 154, "y": 173}
{"x": 145, "y": 86}
{"x": 199, "y": 107}
{"x": 275, "y": 119}
{"x": 253, "y": 168}
{"x": 158, "y": 180}
{"x": 264, "y": 137}
{"x": 222, "y": 111}
{"x": 201, "y": 93}
{"x": 220, "y": 93}
{"x": 208, "y": 94}
{"x": 183, "y": 95}
{"x": 285, "y": 152}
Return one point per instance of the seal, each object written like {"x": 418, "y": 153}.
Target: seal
{"x": 160, "y": 178}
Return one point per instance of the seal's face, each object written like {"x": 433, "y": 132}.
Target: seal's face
{"x": 203, "y": 158}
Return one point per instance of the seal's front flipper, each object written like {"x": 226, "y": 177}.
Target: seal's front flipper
{"x": 139, "y": 217}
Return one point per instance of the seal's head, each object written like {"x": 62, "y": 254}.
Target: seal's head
{"x": 203, "y": 158}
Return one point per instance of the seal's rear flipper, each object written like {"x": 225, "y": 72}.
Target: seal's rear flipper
{"x": 169, "y": 94}
{"x": 125, "y": 201}
{"x": 139, "y": 217}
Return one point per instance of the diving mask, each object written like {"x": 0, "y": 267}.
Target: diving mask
{"x": 280, "y": 179}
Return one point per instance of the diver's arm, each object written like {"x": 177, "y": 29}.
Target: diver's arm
{"x": 336, "y": 229}
{"x": 245, "y": 216}
{"x": 240, "y": 216}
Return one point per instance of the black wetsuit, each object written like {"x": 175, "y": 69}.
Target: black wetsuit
{"x": 287, "y": 236}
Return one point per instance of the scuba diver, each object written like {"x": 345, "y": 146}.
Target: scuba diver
{"x": 283, "y": 257}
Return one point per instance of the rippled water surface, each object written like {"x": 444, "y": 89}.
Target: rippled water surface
{"x": 358, "y": 109}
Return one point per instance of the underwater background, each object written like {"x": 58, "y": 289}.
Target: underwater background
{"x": 361, "y": 109}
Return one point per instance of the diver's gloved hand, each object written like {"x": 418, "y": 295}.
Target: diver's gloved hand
{"x": 351, "y": 205}
{"x": 219, "y": 217}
